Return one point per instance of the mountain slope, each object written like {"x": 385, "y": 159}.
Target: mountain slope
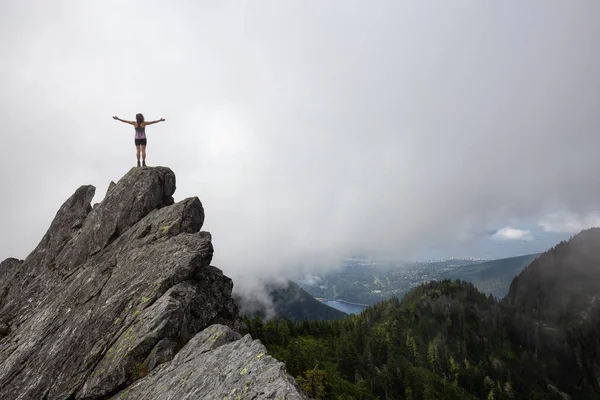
{"x": 562, "y": 283}
{"x": 555, "y": 310}
{"x": 441, "y": 341}
{"x": 492, "y": 277}
{"x": 287, "y": 300}
{"x": 447, "y": 340}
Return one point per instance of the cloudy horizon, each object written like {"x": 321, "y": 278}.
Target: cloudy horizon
{"x": 312, "y": 131}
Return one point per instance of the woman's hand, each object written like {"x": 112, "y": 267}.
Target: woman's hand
{"x": 162, "y": 119}
{"x": 115, "y": 117}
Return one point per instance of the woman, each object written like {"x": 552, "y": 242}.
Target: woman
{"x": 140, "y": 134}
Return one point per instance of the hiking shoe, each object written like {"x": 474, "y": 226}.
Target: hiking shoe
{"x": 143, "y": 163}
{"x": 138, "y": 163}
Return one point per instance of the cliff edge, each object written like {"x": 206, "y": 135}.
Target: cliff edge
{"x": 119, "y": 300}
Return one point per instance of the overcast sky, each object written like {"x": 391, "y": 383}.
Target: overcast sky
{"x": 312, "y": 130}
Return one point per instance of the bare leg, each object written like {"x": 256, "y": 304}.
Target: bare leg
{"x": 143, "y": 153}
{"x": 138, "y": 152}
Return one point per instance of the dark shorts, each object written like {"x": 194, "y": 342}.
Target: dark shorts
{"x": 140, "y": 142}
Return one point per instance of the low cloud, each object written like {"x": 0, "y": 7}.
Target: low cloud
{"x": 569, "y": 222}
{"x": 310, "y": 280}
{"x": 512, "y": 234}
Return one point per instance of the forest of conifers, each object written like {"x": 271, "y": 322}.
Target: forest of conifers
{"x": 443, "y": 340}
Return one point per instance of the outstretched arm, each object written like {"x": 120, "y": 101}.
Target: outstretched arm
{"x": 122, "y": 120}
{"x": 153, "y": 122}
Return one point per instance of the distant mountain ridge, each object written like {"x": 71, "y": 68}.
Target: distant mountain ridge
{"x": 288, "y": 301}
{"x": 492, "y": 277}
{"x": 368, "y": 282}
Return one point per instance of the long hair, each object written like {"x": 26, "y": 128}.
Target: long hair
{"x": 139, "y": 118}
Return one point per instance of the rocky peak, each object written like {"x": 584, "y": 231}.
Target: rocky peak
{"x": 114, "y": 296}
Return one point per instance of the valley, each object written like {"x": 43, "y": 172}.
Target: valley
{"x": 361, "y": 283}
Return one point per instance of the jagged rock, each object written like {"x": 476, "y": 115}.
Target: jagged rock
{"x": 197, "y": 372}
{"x": 3, "y": 329}
{"x": 9, "y": 268}
{"x": 110, "y": 293}
{"x": 164, "y": 351}
{"x": 111, "y": 186}
{"x": 138, "y": 192}
{"x": 78, "y": 231}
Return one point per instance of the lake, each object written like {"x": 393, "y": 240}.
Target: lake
{"x": 348, "y": 308}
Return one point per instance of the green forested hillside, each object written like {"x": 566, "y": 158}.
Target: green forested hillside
{"x": 447, "y": 340}
{"x": 491, "y": 277}
{"x": 293, "y": 303}
{"x": 442, "y": 341}
{"x": 554, "y": 309}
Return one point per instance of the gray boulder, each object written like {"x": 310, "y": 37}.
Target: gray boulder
{"x": 217, "y": 364}
{"x": 114, "y": 293}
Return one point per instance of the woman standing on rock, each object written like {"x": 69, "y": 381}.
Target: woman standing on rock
{"x": 140, "y": 134}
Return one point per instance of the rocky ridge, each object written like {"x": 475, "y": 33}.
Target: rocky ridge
{"x": 120, "y": 300}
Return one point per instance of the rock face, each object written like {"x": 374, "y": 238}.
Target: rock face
{"x": 122, "y": 290}
{"x": 249, "y": 372}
